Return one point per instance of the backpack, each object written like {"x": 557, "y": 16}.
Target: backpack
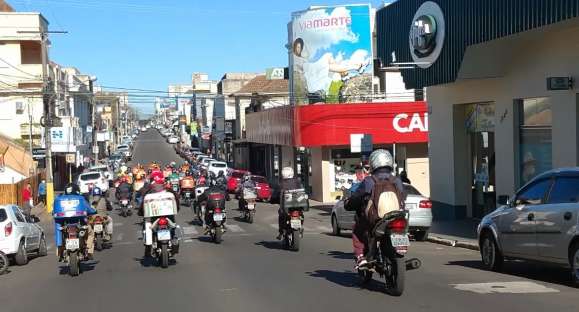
{"x": 385, "y": 198}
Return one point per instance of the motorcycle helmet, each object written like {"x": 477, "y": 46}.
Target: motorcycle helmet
{"x": 287, "y": 173}
{"x": 158, "y": 180}
{"x": 71, "y": 189}
{"x": 123, "y": 169}
{"x": 381, "y": 158}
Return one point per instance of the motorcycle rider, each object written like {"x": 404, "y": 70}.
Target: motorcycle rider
{"x": 382, "y": 166}
{"x": 221, "y": 180}
{"x": 213, "y": 188}
{"x": 124, "y": 190}
{"x": 248, "y": 184}
{"x": 287, "y": 183}
{"x": 73, "y": 189}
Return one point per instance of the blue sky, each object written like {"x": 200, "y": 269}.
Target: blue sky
{"x": 150, "y": 44}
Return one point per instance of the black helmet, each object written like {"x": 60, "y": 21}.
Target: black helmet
{"x": 71, "y": 189}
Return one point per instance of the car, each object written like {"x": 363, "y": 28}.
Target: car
{"x": 144, "y": 129}
{"x": 173, "y": 139}
{"x": 234, "y": 179}
{"x": 540, "y": 223}
{"x": 205, "y": 162}
{"x": 125, "y": 150}
{"x": 92, "y": 177}
{"x": 263, "y": 190}
{"x": 417, "y": 205}
{"x": 105, "y": 170}
{"x": 20, "y": 235}
{"x": 216, "y": 166}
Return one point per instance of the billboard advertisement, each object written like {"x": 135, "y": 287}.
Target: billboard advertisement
{"x": 331, "y": 54}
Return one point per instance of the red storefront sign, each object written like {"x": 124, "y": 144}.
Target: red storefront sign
{"x": 332, "y": 124}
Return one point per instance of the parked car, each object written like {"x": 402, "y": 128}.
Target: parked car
{"x": 539, "y": 223}
{"x": 144, "y": 129}
{"x": 92, "y": 177}
{"x": 106, "y": 171}
{"x": 234, "y": 179}
{"x": 205, "y": 162}
{"x": 216, "y": 166}
{"x": 19, "y": 235}
{"x": 419, "y": 216}
{"x": 125, "y": 150}
{"x": 173, "y": 139}
{"x": 262, "y": 186}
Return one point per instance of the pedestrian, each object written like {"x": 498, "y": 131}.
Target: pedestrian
{"x": 42, "y": 192}
{"x": 109, "y": 150}
{"x": 27, "y": 199}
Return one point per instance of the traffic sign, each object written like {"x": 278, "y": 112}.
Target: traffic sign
{"x": 70, "y": 158}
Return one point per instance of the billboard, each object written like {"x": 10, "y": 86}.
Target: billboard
{"x": 331, "y": 54}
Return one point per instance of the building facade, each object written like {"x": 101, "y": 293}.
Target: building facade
{"x": 502, "y": 103}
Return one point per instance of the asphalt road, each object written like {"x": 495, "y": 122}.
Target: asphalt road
{"x": 250, "y": 272}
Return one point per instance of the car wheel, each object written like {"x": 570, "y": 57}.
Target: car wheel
{"x": 21, "y": 257}
{"x": 491, "y": 255}
{"x": 42, "y": 249}
{"x": 336, "y": 231}
{"x": 421, "y": 236}
{"x": 574, "y": 261}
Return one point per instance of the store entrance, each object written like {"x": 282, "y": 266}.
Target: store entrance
{"x": 480, "y": 127}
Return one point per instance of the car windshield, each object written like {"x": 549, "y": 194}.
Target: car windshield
{"x": 410, "y": 190}
{"x": 90, "y": 176}
{"x": 122, "y": 147}
{"x": 102, "y": 169}
{"x": 218, "y": 165}
{"x": 259, "y": 179}
{"x": 3, "y": 215}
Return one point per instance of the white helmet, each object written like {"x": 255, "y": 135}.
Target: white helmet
{"x": 124, "y": 169}
{"x": 287, "y": 173}
{"x": 381, "y": 158}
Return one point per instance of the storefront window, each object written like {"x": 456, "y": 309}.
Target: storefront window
{"x": 535, "y": 152}
{"x": 344, "y": 168}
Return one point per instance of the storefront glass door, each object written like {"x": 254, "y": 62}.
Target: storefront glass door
{"x": 480, "y": 126}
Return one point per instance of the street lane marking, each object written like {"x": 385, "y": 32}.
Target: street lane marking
{"x": 234, "y": 228}
{"x": 118, "y": 224}
{"x": 505, "y": 288}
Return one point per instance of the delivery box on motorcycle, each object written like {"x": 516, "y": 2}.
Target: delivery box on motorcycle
{"x": 70, "y": 206}
{"x": 295, "y": 199}
{"x": 159, "y": 204}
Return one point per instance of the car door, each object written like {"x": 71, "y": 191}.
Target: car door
{"x": 557, "y": 221}
{"x": 345, "y": 217}
{"x": 21, "y": 226}
{"x": 517, "y": 225}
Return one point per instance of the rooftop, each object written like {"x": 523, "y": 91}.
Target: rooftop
{"x": 261, "y": 85}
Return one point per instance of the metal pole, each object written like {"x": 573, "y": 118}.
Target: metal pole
{"x": 93, "y": 118}
{"x": 47, "y": 101}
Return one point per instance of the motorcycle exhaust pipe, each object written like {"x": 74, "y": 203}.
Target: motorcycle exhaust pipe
{"x": 413, "y": 264}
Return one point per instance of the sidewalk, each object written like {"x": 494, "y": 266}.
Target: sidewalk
{"x": 456, "y": 233}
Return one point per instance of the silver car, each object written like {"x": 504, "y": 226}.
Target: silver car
{"x": 538, "y": 223}
{"x": 417, "y": 205}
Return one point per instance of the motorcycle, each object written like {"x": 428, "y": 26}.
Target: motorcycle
{"x": 174, "y": 180}
{"x": 126, "y": 207}
{"x": 387, "y": 245}
{"x": 187, "y": 190}
{"x": 75, "y": 246}
{"x": 215, "y": 216}
{"x": 295, "y": 202}
{"x": 197, "y": 208}
{"x": 98, "y": 228}
{"x": 161, "y": 233}
{"x": 249, "y": 202}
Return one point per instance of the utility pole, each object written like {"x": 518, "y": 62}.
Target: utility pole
{"x": 48, "y": 116}
{"x": 93, "y": 119}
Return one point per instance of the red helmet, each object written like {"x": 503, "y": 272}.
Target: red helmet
{"x": 158, "y": 179}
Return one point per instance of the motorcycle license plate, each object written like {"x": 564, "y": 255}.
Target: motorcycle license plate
{"x": 399, "y": 240}
{"x": 164, "y": 235}
{"x": 175, "y": 188}
{"x": 98, "y": 228}
{"x": 125, "y": 202}
{"x": 250, "y": 206}
{"x": 296, "y": 223}
{"x": 218, "y": 217}
{"x": 72, "y": 244}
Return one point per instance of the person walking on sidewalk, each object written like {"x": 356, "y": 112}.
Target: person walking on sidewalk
{"x": 42, "y": 192}
{"x": 27, "y": 199}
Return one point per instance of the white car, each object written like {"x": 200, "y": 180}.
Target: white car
{"x": 216, "y": 166}
{"x": 125, "y": 150}
{"x": 95, "y": 178}
{"x": 173, "y": 140}
{"x": 20, "y": 236}
{"x": 205, "y": 162}
{"x": 106, "y": 171}
{"x": 144, "y": 129}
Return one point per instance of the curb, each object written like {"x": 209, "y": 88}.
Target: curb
{"x": 453, "y": 243}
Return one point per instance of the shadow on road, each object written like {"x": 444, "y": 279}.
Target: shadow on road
{"x": 85, "y": 266}
{"x": 347, "y": 279}
{"x": 530, "y": 270}
{"x": 276, "y": 245}
{"x": 149, "y": 262}
{"x": 341, "y": 255}
{"x": 342, "y": 235}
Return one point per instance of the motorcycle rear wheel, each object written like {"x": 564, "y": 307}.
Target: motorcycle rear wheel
{"x": 296, "y": 238}
{"x": 396, "y": 279}
{"x": 164, "y": 256}
{"x": 218, "y": 233}
{"x": 73, "y": 264}
{"x": 3, "y": 263}
{"x": 250, "y": 217}
{"x": 365, "y": 276}
{"x": 98, "y": 242}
